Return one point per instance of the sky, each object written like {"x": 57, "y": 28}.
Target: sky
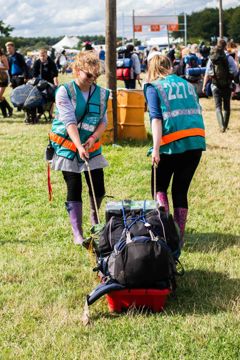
{"x": 33, "y": 18}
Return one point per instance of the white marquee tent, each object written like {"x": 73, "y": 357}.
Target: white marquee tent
{"x": 66, "y": 42}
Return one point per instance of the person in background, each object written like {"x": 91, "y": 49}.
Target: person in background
{"x": 18, "y": 69}
{"x": 101, "y": 54}
{"x": 62, "y": 62}
{"x": 135, "y": 69}
{"x": 178, "y": 135}
{"x": 6, "y": 109}
{"x": 45, "y": 68}
{"x": 79, "y": 123}
{"x": 232, "y": 50}
{"x": 221, "y": 69}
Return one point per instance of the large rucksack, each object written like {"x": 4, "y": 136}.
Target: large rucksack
{"x": 137, "y": 250}
{"x": 124, "y": 65}
{"x": 162, "y": 225}
{"x": 192, "y": 70}
{"x": 221, "y": 75}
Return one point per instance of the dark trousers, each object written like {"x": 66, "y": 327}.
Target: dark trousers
{"x": 74, "y": 184}
{"x": 130, "y": 84}
{"x": 222, "y": 97}
{"x": 181, "y": 168}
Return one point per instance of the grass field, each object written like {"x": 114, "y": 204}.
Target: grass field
{"x": 44, "y": 278}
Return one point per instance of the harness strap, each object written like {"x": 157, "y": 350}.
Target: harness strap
{"x": 68, "y": 144}
{"x": 177, "y": 135}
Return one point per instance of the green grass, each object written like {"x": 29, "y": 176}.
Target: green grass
{"x": 44, "y": 278}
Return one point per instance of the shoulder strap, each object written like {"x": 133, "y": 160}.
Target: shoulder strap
{"x": 72, "y": 96}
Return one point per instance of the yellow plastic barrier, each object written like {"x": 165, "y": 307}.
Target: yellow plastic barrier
{"x": 130, "y": 114}
{"x": 107, "y": 137}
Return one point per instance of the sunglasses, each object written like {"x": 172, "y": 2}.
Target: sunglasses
{"x": 88, "y": 75}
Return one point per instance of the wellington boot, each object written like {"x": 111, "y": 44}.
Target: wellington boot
{"x": 180, "y": 217}
{"x": 226, "y": 119}
{"x": 74, "y": 209}
{"x": 3, "y": 108}
{"x": 163, "y": 201}
{"x": 220, "y": 120}
{"x": 8, "y": 107}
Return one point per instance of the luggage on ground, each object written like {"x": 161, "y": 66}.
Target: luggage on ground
{"x": 137, "y": 249}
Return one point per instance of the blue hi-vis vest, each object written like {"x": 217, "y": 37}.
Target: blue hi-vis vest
{"x": 87, "y": 119}
{"x": 182, "y": 125}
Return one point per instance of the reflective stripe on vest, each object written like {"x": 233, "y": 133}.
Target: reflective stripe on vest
{"x": 68, "y": 144}
{"x": 177, "y": 135}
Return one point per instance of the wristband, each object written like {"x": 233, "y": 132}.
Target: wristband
{"x": 93, "y": 136}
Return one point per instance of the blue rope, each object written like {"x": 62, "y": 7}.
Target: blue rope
{"x": 135, "y": 219}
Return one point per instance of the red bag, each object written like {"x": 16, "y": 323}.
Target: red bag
{"x": 123, "y": 74}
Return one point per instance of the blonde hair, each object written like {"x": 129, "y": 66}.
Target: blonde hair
{"x": 185, "y": 51}
{"x": 9, "y": 43}
{"x": 87, "y": 61}
{"x": 159, "y": 67}
{"x": 43, "y": 50}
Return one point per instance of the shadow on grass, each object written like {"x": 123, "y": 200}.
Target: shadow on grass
{"x": 199, "y": 292}
{"x": 204, "y": 292}
{"x": 16, "y": 241}
{"x": 12, "y": 121}
{"x": 210, "y": 242}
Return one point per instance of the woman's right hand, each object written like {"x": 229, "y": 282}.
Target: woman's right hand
{"x": 83, "y": 153}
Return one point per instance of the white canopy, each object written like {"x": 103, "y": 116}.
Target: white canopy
{"x": 160, "y": 41}
{"x": 66, "y": 42}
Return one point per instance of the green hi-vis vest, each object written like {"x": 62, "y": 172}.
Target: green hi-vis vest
{"x": 87, "y": 119}
{"x": 182, "y": 124}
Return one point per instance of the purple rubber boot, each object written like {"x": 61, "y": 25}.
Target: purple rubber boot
{"x": 180, "y": 216}
{"x": 74, "y": 209}
{"x": 163, "y": 200}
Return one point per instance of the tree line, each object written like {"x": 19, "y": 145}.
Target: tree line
{"x": 204, "y": 25}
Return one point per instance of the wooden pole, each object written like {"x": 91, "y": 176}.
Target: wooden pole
{"x": 133, "y": 25}
{"x": 220, "y": 20}
{"x": 110, "y": 62}
{"x": 185, "y": 29}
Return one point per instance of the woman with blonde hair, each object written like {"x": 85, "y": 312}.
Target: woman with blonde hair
{"x": 178, "y": 135}
{"x": 4, "y": 81}
{"x": 79, "y": 123}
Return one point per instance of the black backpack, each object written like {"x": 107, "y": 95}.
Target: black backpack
{"x": 221, "y": 76}
{"x": 162, "y": 225}
{"x": 137, "y": 250}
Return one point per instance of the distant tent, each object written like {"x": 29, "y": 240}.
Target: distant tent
{"x": 66, "y": 42}
{"x": 158, "y": 41}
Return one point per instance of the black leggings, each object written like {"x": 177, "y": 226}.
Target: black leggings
{"x": 182, "y": 167}
{"x": 74, "y": 184}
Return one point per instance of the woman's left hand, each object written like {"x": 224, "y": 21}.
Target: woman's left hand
{"x": 89, "y": 143}
{"x": 155, "y": 156}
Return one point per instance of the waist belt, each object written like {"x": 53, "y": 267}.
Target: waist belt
{"x": 177, "y": 135}
{"x": 68, "y": 144}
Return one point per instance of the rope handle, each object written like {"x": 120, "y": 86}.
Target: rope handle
{"x": 155, "y": 181}
{"x": 49, "y": 182}
{"x": 93, "y": 191}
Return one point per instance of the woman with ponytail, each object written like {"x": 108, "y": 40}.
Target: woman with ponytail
{"x": 178, "y": 134}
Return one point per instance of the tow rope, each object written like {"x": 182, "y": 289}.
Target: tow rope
{"x": 49, "y": 182}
